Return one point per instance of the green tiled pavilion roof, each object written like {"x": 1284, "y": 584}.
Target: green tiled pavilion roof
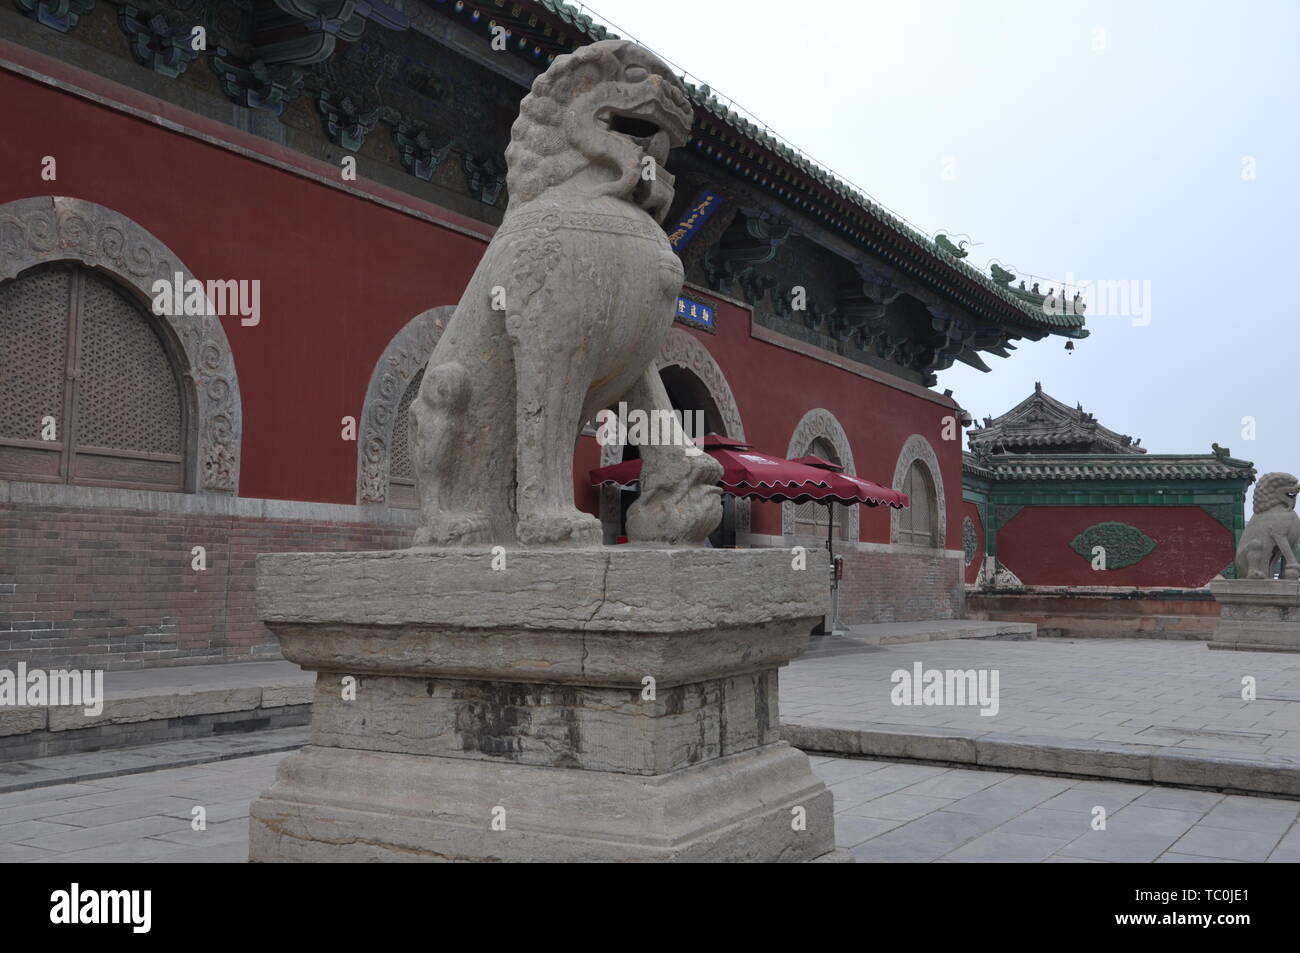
{"x": 1106, "y": 466}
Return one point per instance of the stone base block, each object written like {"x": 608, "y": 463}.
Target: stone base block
{"x": 1260, "y": 615}
{"x": 619, "y": 704}
{"x": 342, "y": 805}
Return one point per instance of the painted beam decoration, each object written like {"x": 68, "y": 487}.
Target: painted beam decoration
{"x": 697, "y": 213}
{"x": 697, "y": 314}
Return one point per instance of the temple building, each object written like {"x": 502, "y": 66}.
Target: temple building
{"x": 329, "y": 174}
{"x": 1071, "y": 525}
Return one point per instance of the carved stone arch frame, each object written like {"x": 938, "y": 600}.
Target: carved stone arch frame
{"x": 820, "y": 422}
{"x": 683, "y": 349}
{"x": 44, "y": 229}
{"x": 404, "y": 357}
{"x": 917, "y": 448}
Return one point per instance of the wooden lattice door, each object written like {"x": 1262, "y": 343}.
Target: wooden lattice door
{"x": 917, "y": 526}
{"x": 88, "y": 391}
{"x": 401, "y": 470}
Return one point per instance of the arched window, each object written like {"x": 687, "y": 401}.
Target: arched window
{"x": 811, "y": 519}
{"x": 917, "y": 524}
{"x": 401, "y": 469}
{"x": 89, "y": 387}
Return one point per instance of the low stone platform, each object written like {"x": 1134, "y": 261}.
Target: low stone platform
{"x": 1165, "y": 712}
{"x": 931, "y": 630}
{"x": 164, "y": 704}
{"x": 73, "y": 769}
{"x": 1101, "y": 612}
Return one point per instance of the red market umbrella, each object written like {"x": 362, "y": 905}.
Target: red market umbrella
{"x": 754, "y": 475}
{"x": 867, "y": 490}
{"x": 818, "y": 462}
{"x": 750, "y": 474}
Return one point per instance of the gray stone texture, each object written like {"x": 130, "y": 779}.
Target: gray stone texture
{"x": 468, "y": 686}
{"x": 1157, "y": 711}
{"x": 563, "y": 318}
{"x": 1273, "y": 530}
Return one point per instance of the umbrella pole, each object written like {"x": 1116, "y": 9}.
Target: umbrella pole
{"x": 835, "y": 583}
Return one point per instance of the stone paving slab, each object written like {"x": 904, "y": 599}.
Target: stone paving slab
{"x": 935, "y": 631}
{"x": 884, "y": 812}
{"x": 1141, "y": 710}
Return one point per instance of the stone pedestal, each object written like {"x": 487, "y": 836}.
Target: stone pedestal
{"x": 576, "y": 705}
{"x": 1260, "y": 615}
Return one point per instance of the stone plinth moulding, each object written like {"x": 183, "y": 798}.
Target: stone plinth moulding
{"x": 505, "y": 714}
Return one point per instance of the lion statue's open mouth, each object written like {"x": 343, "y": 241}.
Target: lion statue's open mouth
{"x": 617, "y": 105}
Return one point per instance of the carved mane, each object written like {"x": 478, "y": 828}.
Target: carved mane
{"x": 1270, "y": 492}
{"x": 557, "y": 134}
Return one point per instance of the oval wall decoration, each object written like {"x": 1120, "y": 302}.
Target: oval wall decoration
{"x": 1124, "y": 545}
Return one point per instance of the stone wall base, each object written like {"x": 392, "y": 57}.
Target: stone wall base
{"x": 1102, "y": 612}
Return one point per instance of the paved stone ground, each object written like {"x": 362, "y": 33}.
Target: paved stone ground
{"x": 885, "y": 812}
{"x": 1161, "y": 693}
{"x": 891, "y": 812}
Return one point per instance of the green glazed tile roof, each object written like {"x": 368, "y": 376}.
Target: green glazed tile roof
{"x": 1106, "y": 466}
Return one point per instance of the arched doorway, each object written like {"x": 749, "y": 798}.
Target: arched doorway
{"x": 917, "y": 474}
{"x": 695, "y": 383}
{"x": 820, "y": 434}
{"x": 385, "y": 472}
{"x": 917, "y": 525}
{"x": 152, "y": 399}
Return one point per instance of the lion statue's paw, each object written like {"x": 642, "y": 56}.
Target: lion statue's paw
{"x": 453, "y": 529}
{"x": 571, "y": 528}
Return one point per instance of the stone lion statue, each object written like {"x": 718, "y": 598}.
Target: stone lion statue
{"x": 564, "y": 317}
{"x": 1273, "y": 530}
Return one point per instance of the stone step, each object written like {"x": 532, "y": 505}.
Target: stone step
{"x": 91, "y": 766}
{"x": 1262, "y": 774}
{"x": 894, "y": 633}
{"x": 175, "y": 703}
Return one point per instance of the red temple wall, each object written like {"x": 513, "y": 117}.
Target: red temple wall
{"x": 340, "y": 275}
{"x": 1191, "y": 546}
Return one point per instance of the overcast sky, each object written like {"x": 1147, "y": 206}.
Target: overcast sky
{"x": 1150, "y": 142}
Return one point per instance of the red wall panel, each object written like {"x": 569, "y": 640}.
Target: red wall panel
{"x": 1192, "y": 547}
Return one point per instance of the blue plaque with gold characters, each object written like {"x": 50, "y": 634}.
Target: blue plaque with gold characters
{"x": 697, "y": 314}
{"x": 697, "y": 213}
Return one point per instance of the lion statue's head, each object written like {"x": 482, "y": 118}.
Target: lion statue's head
{"x": 591, "y": 119}
{"x": 1276, "y": 491}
